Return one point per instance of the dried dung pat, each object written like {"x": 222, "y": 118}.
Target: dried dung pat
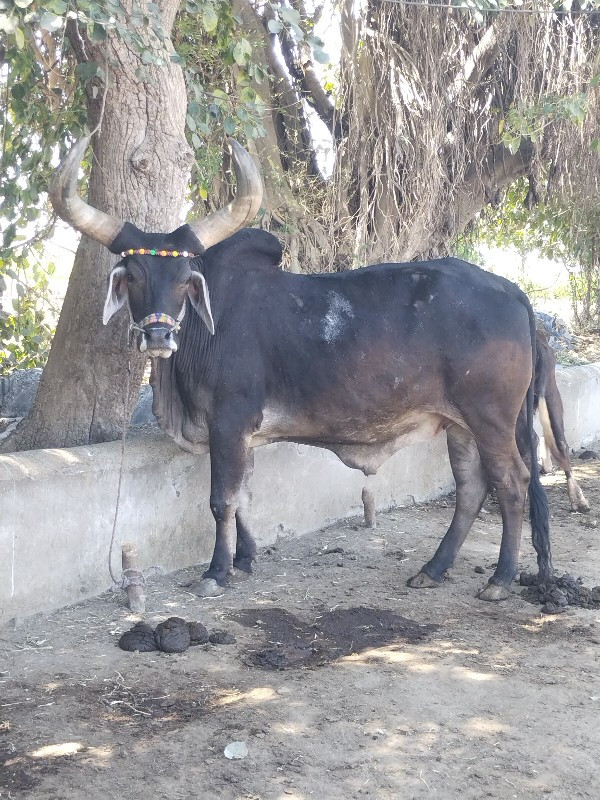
{"x": 173, "y": 635}
{"x": 198, "y": 633}
{"x": 141, "y": 638}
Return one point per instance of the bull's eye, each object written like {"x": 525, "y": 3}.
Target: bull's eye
{"x": 130, "y": 277}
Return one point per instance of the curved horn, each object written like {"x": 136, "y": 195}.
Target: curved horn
{"x": 70, "y": 207}
{"x": 242, "y": 209}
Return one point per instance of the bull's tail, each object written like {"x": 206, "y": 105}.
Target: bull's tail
{"x": 538, "y": 501}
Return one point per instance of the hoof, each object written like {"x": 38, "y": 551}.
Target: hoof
{"x": 207, "y": 587}
{"x": 581, "y": 507}
{"x": 493, "y": 593}
{"x": 236, "y": 576}
{"x": 422, "y": 581}
{"x": 243, "y": 564}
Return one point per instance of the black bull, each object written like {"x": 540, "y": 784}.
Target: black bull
{"x": 361, "y": 363}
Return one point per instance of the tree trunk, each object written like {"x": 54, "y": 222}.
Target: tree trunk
{"x": 139, "y": 174}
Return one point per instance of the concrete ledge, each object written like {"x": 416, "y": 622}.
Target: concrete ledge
{"x": 57, "y": 509}
{"x": 579, "y": 388}
{"x": 57, "y": 506}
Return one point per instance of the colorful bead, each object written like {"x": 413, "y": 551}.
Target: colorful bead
{"x": 144, "y": 251}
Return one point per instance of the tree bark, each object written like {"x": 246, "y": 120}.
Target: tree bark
{"x": 139, "y": 174}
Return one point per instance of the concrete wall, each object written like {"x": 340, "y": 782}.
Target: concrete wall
{"x": 57, "y": 506}
{"x": 580, "y": 391}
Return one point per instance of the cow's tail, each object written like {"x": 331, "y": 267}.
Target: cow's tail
{"x": 538, "y": 501}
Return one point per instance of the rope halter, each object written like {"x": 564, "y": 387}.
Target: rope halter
{"x": 174, "y": 324}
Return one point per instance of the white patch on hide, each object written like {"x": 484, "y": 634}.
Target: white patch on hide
{"x": 333, "y": 321}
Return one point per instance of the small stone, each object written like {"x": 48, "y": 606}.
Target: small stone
{"x": 480, "y": 570}
{"x": 551, "y": 608}
{"x": 588, "y": 455}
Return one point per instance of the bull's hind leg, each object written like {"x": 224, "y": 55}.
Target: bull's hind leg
{"x": 471, "y": 489}
{"x": 245, "y": 551}
{"x": 510, "y": 478}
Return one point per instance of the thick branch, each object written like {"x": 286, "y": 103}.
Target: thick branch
{"x": 477, "y": 64}
{"x": 293, "y": 132}
{"x": 483, "y": 181}
{"x": 310, "y": 85}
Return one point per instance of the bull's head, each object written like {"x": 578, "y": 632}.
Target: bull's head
{"x": 155, "y": 274}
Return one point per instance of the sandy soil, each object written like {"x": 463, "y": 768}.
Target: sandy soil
{"x": 384, "y": 692}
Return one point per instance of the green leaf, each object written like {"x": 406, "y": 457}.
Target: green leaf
{"x": 239, "y": 54}
{"x": 321, "y": 56}
{"x": 51, "y": 22}
{"x": 191, "y": 123}
{"x": 87, "y": 70}
{"x": 9, "y": 24}
{"x": 248, "y": 95}
{"x": 289, "y": 15}
{"x": 18, "y": 91}
{"x": 196, "y": 141}
{"x": 97, "y": 33}
{"x": 274, "y": 26}
{"x": 297, "y": 31}
{"x": 210, "y": 19}
{"x": 229, "y": 126}
{"x": 23, "y": 3}
{"x": 20, "y": 38}
{"x": 57, "y": 6}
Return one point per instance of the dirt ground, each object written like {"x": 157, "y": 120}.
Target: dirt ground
{"x": 343, "y": 683}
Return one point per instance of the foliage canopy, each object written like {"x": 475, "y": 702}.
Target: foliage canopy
{"x": 430, "y": 112}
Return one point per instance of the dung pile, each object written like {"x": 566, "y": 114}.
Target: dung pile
{"x": 174, "y": 635}
{"x": 556, "y": 596}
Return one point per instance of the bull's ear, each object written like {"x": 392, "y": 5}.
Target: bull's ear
{"x": 199, "y": 297}
{"x": 117, "y": 293}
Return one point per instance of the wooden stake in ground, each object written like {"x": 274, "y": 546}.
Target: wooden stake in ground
{"x": 368, "y": 499}
{"x": 133, "y": 579}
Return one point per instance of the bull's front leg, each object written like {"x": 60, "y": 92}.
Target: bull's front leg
{"x": 228, "y": 459}
{"x": 245, "y": 551}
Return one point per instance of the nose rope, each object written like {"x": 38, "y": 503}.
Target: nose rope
{"x": 174, "y": 324}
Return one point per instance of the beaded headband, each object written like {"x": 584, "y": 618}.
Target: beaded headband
{"x": 144, "y": 251}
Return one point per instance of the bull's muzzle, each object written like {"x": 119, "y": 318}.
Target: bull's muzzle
{"x": 158, "y": 341}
